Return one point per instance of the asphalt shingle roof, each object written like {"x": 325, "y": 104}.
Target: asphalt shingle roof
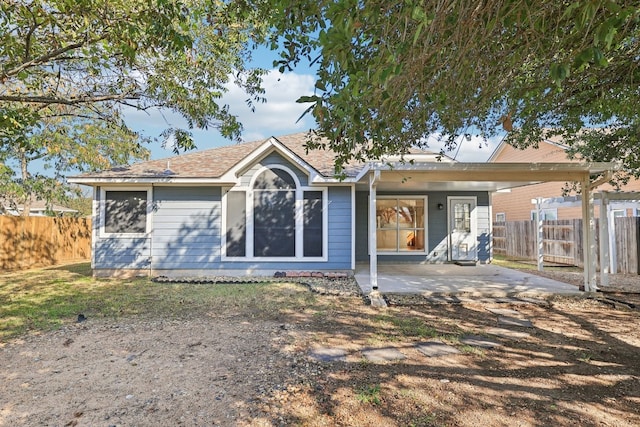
{"x": 214, "y": 162}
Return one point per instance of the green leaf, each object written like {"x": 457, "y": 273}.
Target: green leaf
{"x": 305, "y": 99}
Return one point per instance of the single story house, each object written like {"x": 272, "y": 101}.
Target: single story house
{"x": 270, "y": 205}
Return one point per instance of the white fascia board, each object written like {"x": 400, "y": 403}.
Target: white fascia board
{"x": 460, "y": 166}
{"x": 418, "y": 157}
{"x": 149, "y": 180}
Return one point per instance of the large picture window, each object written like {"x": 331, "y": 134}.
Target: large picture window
{"x": 124, "y": 212}
{"x": 275, "y": 218}
{"x": 400, "y": 224}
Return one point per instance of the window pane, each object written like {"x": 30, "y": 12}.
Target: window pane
{"x": 125, "y": 212}
{"x": 386, "y": 213}
{"x": 387, "y": 240}
{"x": 236, "y": 223}
{"x": 312, "y": 233}
{"x": 274, "y": 224}
{"x": 411, "y": 240}
{"x": 411, "y": 213}
{"x": 462, "y": 217}
{"x": 276, "y": 179}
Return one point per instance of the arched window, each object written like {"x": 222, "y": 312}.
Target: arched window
{"x": 275, "y": 217}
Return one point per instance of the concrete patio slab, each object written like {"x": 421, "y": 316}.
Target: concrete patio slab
{"x": 451, "y": 279}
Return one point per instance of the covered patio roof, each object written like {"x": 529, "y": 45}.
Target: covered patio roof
{"x": 491, "y": 177}
{"x": 454, "y": 176}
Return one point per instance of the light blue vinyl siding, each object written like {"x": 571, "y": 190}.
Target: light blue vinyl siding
{"x": 484, "y": 232}
{"x": 339, "y": 231}
{"x": 186, "y": 227}
{"x": 122, "y": 253}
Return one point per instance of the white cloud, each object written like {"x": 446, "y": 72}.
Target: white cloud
{"x": 279, "y": 114}
{"x": 472, "y": 148}
{"x": 275, "y": 117}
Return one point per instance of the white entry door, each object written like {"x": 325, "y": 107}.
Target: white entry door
{"x": 462, "y": 229}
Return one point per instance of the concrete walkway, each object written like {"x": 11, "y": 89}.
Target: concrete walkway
{"x": 451, "y": 279}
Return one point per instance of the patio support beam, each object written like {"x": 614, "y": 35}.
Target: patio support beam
{"x": 539, "y": 234}
{"x": 373, "y": 240}
{"x": 604, "y": 239}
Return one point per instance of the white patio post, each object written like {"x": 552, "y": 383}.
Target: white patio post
{"x": 613, "y": 251}
{"x": 373, "y": 241}
{"x": 588, "y": 240}
{"x": 604, "y": 238}
{"x": 539, "y": 234}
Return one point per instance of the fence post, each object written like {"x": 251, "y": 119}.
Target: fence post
{"x": 637, "y": 233}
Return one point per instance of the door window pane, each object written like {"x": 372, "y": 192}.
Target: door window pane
{"x": 462, "y": 217}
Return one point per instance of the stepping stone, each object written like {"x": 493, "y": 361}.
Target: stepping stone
{"x": 386, "y": 354}
{"x": 512, "y": 321}
{"x": 504, "y": 311}
{"x": 479, "y": 341}
{"x": 436, "y": 349}
{"x": 325, "y": 354}
{"x": 507, "y": 333}
{"x": 536, "y": 301}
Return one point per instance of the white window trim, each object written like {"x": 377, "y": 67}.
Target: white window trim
{"x": 103, "y": 206}
{"x": 504, "y": 217}
{"x": 424, "y": 226}
{"x": 299, "y": 218}
{"x": 544, "y": 212}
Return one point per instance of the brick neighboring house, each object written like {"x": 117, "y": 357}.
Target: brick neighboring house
{"x": 516, "y": 205}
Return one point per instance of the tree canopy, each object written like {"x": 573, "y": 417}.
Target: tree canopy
{"x": 70, "y": 69}
{"x": 391, "y": 73}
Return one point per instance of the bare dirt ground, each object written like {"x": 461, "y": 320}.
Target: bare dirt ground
{"x": 578, "y": 366}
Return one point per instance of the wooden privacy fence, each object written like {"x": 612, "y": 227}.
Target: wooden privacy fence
{"x": 562, "y": 242}
{"x": 41, "y": 241}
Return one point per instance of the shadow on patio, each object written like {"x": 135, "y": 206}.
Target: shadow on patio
{"x": 451, "y": 279}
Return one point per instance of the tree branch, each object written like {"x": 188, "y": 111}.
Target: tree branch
{"x": 44, "y": 58}
{"x": 68, "y": 101}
